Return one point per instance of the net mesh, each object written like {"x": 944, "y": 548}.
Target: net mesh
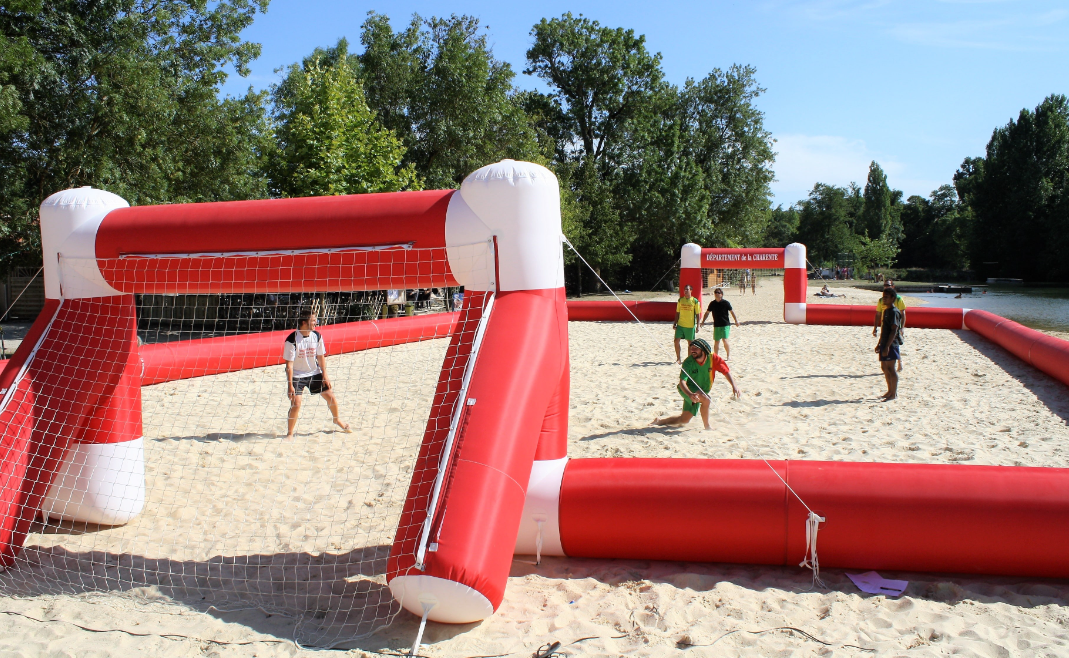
{"x": 742, "y": 280}
{"x": 235, "y": 513}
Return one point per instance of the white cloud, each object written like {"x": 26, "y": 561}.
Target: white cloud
{"x": 805, "y": 160}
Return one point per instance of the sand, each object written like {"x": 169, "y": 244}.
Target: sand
{"x": 245, "y": 519}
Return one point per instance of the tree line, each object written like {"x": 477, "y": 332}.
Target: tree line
{"x": 1005, "y": 215}
{"x": 124, "y": 95}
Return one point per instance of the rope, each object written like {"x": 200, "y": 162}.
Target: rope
{"x": 654, "y": 286}
{"x": 12, "y": 304}
{"x": 652, "y": 338}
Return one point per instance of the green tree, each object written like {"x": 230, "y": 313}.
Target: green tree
{"x": 329, "y": 141}
{"x": 782, "y": 227}
{"x": 438, "y": 86}
{"x": 602, "y": 77}
{"x": 123, "y": 95}
{"x": 1019, "y": 195}
{"x": 733, "y": 149}
{"x": 937, "y": 231}
{"x": 827, "y": 221}
{"x": 665, "y": 165}
{"x": 876, "y": 214}
{"x": 869, "y": 253}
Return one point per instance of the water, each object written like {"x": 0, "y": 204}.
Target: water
{"x": 1046, "y": 309}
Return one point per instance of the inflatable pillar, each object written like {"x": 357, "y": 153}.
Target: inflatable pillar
{"x": 690, "y": 269}
{"x": 71, "y": 408}
{"x": 453, "y": 550}
{"x": 794, "y": 283}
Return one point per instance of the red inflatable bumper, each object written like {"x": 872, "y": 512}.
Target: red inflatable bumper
{"x": 614, "y": 311}
{"x": 854, "y": 315}
{"x": 917, "y": 517}
{"x": 1047, "y": 353}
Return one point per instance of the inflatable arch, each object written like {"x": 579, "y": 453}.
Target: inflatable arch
{"x": 502, "y": 481}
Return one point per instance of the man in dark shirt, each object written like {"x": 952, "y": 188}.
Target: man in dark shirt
{"x": 720, "y": 308}
{"x": 887, "y": 349}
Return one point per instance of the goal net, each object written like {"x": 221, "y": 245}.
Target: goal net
{"x": 234, "y": 513}
{"x": 737, "y": 279}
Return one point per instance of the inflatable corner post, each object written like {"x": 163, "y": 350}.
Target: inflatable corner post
{"x": 690, "y": 269}
{"x": 794, "y": 283}
{"x": 453, "y": 551}
{"x": 71, "y": 409}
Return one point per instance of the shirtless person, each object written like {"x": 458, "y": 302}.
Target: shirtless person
{"x": 306, "y": 366}
{"x": 695, "y": 379}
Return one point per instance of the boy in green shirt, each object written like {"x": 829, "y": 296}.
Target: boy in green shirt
{"x": 686, "y": 324}
{"x": 695, "y": 380}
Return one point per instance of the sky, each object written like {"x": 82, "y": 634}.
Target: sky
{"x": 914, "y": 85}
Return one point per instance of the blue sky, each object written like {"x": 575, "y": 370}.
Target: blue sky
{"x": 915, "y": 85}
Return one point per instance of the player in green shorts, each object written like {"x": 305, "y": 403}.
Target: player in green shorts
{"x": 720, "y": 309}
{"x": 695, "y": 380}
{"x": 686, "y": 324}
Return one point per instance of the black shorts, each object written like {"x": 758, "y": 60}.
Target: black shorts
{"x": 314, "y": 383}
{"x": 892, "y": 354}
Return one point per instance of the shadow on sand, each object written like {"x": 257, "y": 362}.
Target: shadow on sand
{"x": 1051, "y": 392}
{"x": 325, "y": 600}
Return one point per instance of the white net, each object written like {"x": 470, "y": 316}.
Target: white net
{"x": 741, "y": 281}
{"x": 235, "y": 513}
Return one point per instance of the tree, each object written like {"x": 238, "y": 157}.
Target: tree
{"x": 734, "y": 150}
{"x": 123, "y": 95}
{"x": 1019, "y": 194}
{"x": 601, "y": 76}
{"x": 876, "y": 214}
{"x": 869, "y": 253}
{"x": 665, "y": 165}
{"x": 438, "y": 86}
{"x": 328, "y": 139}
{"x": 827, "y": 221}
{"x": 937, "y": 231}
{"x": 782, "y": 227}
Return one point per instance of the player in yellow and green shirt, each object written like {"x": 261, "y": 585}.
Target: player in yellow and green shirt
{"x": 687, "y": 310}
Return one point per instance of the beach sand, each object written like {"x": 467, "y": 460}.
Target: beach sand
{"x": 244, "y": 519}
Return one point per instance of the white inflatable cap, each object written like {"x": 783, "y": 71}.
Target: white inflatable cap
{"x": 69, "y": 222}
{"x": 519, "y": 204}
{"x": 690, "y": 256}
{"x": 794, "y": 256}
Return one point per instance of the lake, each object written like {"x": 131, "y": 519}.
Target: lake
{"x": 1046, "y": 309}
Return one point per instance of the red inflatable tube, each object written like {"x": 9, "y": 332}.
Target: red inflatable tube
{"x": 701, "y": 510}
{"x": 266, "y": 236}
{"x": 853, "y": 315}
{"x": 274, "y": 224}
{"x": 614, "y": 311}
{"x": 516, "y": 374}
{"x": 794, "y": 285}
{"x": 1046, "y": 353}
{"x": 1007, "y": 520}
{"x": 165, "y": 362}
{"x": 916, "y": 517}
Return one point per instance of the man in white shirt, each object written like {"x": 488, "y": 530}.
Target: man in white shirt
{"x": 306, "y": 366}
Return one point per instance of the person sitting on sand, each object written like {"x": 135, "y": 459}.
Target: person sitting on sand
{"x": 901, "y": 306}
{"x": 686, "y": 324}
{"x": 890, "y": 339}
{"x": 695, "y": 380}
{"x": 825, "y": 292}
{"x": 306, "y": 367}
{"x": 720, "y": 308}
